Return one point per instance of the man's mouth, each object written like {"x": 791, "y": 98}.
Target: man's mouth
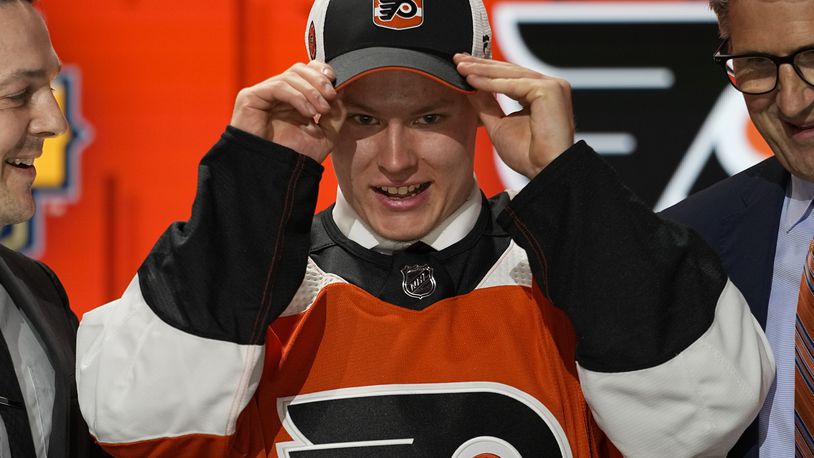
{"x": 21, "y": 163}
{"x": 796, "y": 127}
{"x": 400, "y": 192}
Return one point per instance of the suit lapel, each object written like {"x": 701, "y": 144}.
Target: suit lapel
{"x": 750, "y": 240}
{"x": 13, "y": 413}
{"x": 32, "y": 294}
{"x": 51, "y": 329}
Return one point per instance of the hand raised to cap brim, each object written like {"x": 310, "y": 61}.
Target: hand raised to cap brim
{"x": 529, "y": 139}
{"x": 299, "y": 109}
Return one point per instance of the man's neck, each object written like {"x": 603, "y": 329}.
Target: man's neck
{"x": 451, "y": 230}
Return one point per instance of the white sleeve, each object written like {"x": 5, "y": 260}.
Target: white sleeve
{"x": 139, "y": 378}
{"x": 697, "y": 403}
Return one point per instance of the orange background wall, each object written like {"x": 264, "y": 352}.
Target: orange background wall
{"x": 158, "y": 79}
{"x": 158, "y": 82}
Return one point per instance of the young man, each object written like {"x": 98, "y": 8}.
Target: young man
{"x": 415, "y": 317}
{"x": 759, "y": 221}
{"x": 39, "y": 413}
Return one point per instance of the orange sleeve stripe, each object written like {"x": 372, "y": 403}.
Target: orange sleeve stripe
{"x": 192, "y": 445}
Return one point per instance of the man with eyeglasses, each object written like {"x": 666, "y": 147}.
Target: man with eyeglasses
{"x": 759, "y": 221}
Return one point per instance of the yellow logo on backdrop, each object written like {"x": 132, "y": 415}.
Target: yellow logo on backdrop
{"x": 51, "y": 166}
{"x": 57, "y": 169}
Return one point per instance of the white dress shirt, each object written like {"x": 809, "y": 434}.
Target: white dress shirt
{"x": 34, "y": 374}
{"x": 451, "y": 230}
{"x": 776, "y": 419}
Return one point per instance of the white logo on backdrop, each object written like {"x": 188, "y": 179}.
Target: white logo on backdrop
{"x": 722, "y": 133}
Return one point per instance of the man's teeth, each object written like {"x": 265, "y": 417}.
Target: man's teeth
{"x": 18, "y": 162}
{"x": 399, "y": 191}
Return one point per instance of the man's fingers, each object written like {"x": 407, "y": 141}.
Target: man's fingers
{"x": 468, "y": 65}
{"x": 269, "y": 95}
{"x": 307, "y": 88}
{"x": 287, "y": 109}
{"x": 323, "y": 68}
{"x": 487, "y": 107}
{"x": 307, "y": 80}
{"x": 319, "y": 75}
{"x": 517, "y": 82}
{"x": 529, "y": 139}
{"x": 524, "y": 90}
{"x": 312, "y": 94}
{"x": 331, "y": 122}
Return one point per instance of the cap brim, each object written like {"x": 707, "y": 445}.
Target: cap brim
{"x": 356, "y": 64}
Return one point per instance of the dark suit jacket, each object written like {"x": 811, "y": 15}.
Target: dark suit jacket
{"x": 38, "y": 293}
{"x": 739, "y": 217}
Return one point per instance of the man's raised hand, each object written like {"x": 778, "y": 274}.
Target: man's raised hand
{"x": 527, "y": 140}
{"x": 298, "y": 108}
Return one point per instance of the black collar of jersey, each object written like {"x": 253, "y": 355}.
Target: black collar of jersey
{"x": 453, "y": 271}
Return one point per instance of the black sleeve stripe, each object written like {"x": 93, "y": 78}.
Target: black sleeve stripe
{"x": 232, "y": 268}
{"x": 638, "y": 290}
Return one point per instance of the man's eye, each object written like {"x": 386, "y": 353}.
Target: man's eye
{"x": 364, "y": 120}
{"x": 19, "y": 97}
{"x": 429, "y": 119}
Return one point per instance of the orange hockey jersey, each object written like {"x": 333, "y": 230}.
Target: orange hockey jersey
{"x": 569, "y": 315}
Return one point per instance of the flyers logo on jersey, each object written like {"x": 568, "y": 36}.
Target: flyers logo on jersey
{"x": 398, "y": 14}
{"x": 432, "y": 419}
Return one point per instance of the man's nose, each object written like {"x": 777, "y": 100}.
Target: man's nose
{"x": 47, "y": 119}
{"x": 397, "y": 158}
{"x": 793, "y": 94}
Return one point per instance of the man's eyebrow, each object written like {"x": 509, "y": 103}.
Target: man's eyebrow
{"x": 359, "y": 105}
{"x": 750, "y": 51}
{"x": 435, "y": 105}
{"x": 30, "y": 74}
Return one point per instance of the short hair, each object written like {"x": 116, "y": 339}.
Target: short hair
{"x": 721, "y": 9}
{"x": 30, "y": 2}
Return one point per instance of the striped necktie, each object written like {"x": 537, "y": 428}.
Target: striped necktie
{"x": 804, "y": 362}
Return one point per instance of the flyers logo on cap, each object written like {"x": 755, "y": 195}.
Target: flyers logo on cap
{"x": 398, "y": 14}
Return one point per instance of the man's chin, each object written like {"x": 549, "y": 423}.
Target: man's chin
{"x": 396, "y": 233}
{"x": 16, "y": 213}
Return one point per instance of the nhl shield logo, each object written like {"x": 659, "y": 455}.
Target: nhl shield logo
{"x": 417, "y": 281}
{"x": 398, "y": 14}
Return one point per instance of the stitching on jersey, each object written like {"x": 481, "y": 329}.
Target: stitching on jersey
{"x": 265, "y": 302}
{"x": 535, "y": 245}
{"x": 512, "y": 251}
{"x": 310, "y": 289}
{"x": 240, "y": 400}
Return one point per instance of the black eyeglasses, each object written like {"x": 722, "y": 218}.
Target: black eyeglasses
{"x": 756, "y": 73}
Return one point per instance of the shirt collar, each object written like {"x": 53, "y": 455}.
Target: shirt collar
{"x": 799, "y": 202}
{"x": 451, "y": 230}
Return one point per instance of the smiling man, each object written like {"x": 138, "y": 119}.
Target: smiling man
{"x": 39, "y": 414}
{"x": 416, "y": 317}
{"x": 759, "y": 220}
